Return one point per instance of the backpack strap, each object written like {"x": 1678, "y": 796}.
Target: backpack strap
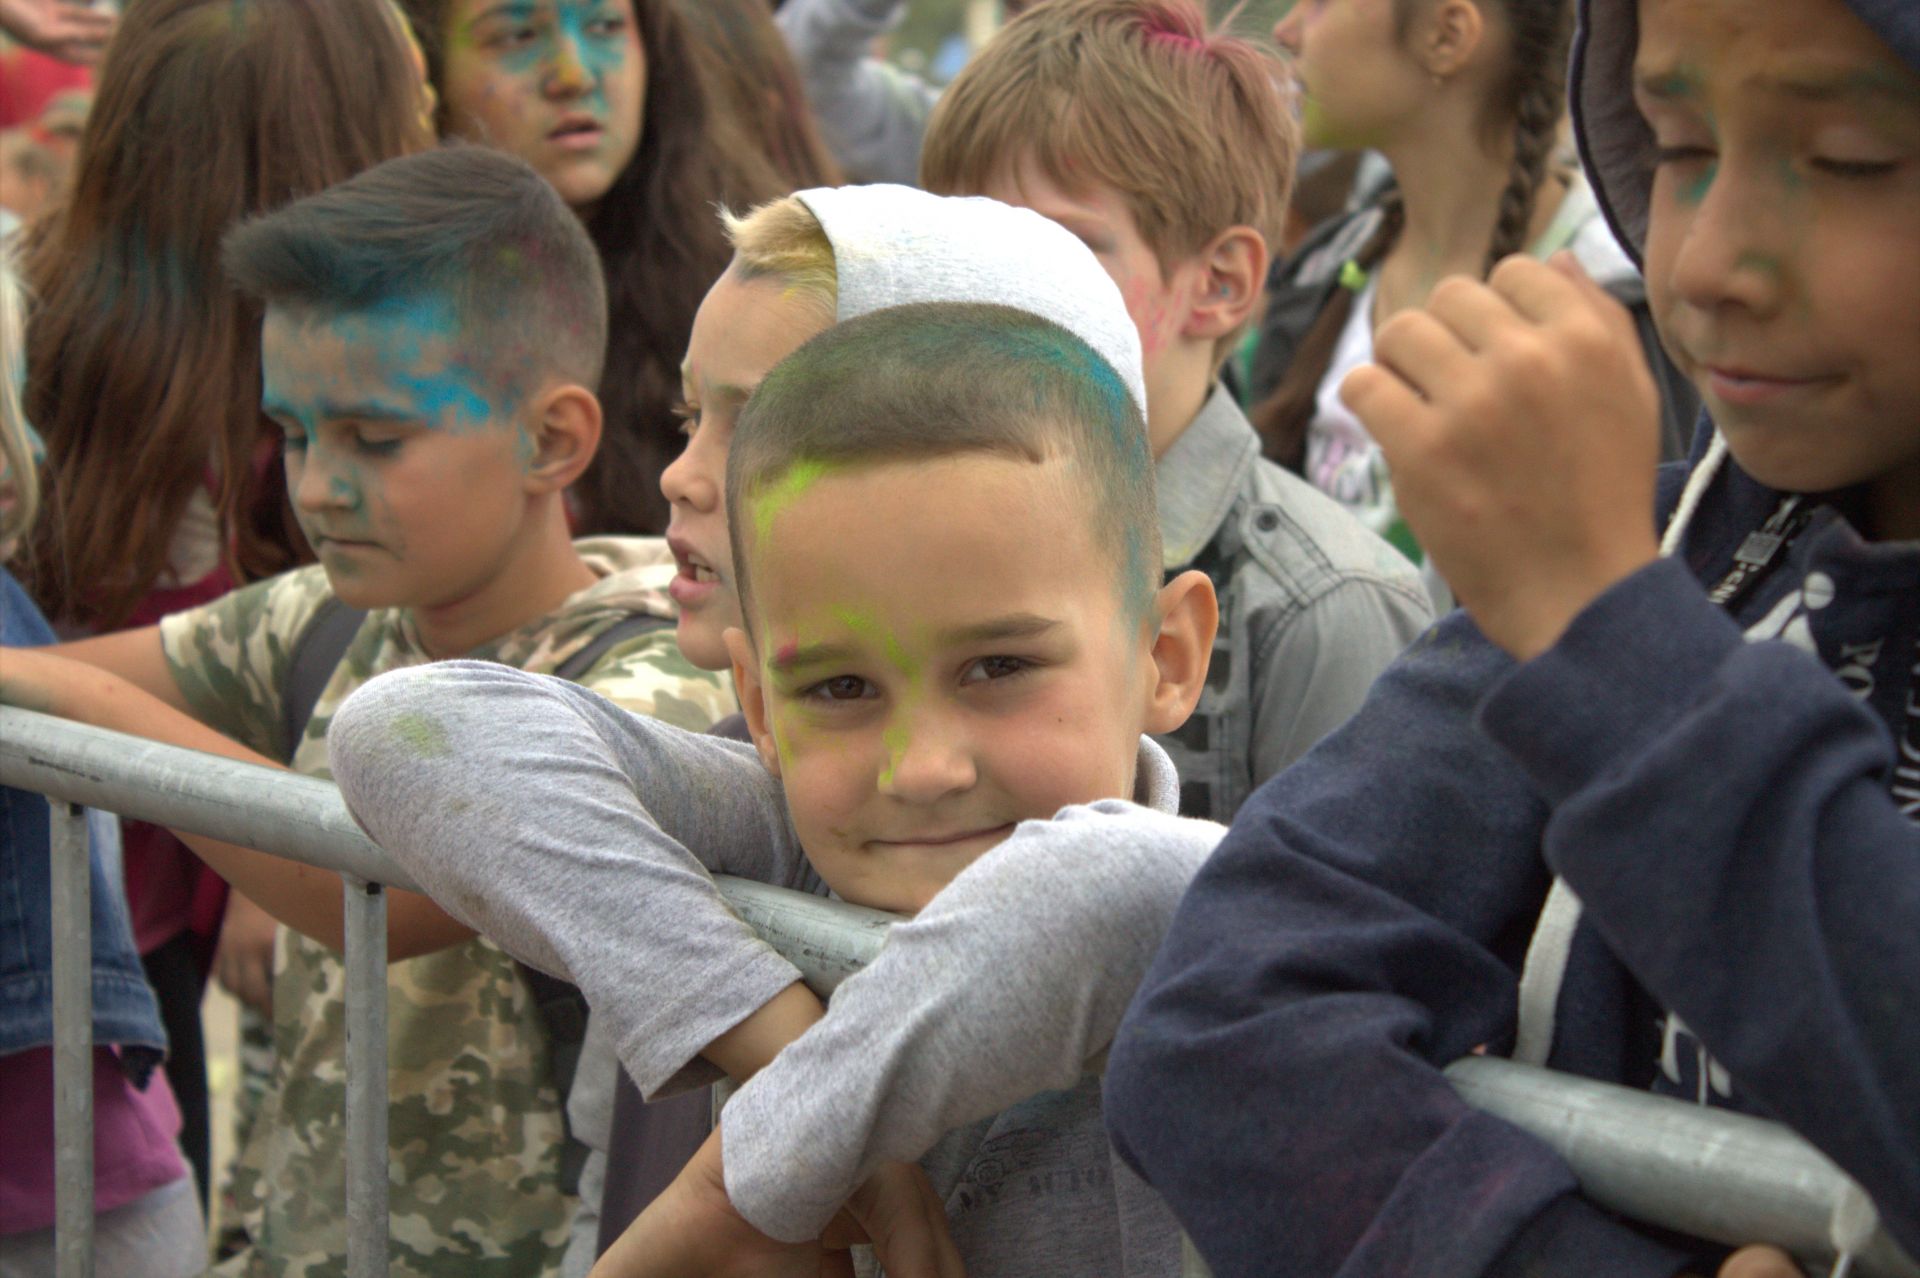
{"x": 316, "y": 654}
{"x": 583, "y": 661}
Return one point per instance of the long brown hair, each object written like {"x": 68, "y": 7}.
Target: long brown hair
{"x": 750, "y": 72}
{"x": 662, "y": 248}
{"x": 143, "y": 365}
{"x": 1530, "y": 101}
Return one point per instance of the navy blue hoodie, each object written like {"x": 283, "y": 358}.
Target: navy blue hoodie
{"x": 1730, "y": 793}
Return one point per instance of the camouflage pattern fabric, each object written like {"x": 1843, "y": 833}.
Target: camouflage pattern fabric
{"x": 475, "y": 1122}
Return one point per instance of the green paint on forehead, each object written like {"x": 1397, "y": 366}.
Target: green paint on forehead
{"x": 872, "y": 632}
{"x": 772, "y": 496}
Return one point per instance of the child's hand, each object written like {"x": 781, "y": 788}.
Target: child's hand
{"x": 243, "y": 961}
{"x": 693, "y": 1231}
{"x": 1761, "y": 1262}
{"x": 1522, "y": 427}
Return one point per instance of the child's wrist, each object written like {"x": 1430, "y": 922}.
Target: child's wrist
{"x": 749, "y": 1046}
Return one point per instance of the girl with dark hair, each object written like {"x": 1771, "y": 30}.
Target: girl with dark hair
{"x": 1465, "y": 99}
{"x": 162, "y": 488}
{"x": 605, "y": 99}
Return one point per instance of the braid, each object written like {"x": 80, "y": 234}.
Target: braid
{"x": 1282, "y": 418}
{"x": 1541, "y": 32}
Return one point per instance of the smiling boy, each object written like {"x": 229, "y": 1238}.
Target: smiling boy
{"x": 431, "y": 337}
{"x": 1708, "y": 737}
{"x": 954, "y": 642}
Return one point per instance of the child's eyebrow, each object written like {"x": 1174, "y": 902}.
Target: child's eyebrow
{"x": 337, "y": 410}
{"x": 508, "y": 8}
{"x": 1854, "y": 85}
{"x": 1666, "y": 84}
{"x": 1016, "y": 625}
{"x": 793, "y": 657}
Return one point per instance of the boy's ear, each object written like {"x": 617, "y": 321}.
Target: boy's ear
{"x": 564, "y": 425}
{"x": 753, "y": 696}
{"x": 1188, "y": 616}
{"x": 1233, "y": 273}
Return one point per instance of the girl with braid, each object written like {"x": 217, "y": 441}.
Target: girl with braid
{"x": 1465, "y": 99}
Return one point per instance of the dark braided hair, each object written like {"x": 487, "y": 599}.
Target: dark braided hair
{"x": 1533, "y": 98}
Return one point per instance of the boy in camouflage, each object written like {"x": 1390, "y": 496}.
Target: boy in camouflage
{"x": 432, "y": 332}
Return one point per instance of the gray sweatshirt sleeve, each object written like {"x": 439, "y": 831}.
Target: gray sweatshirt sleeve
{"x": 1010, "y": 982}
{"x": 561, "y": 826}
{"x": 872, "y": 115}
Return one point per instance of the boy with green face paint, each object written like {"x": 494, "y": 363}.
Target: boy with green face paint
{"x": 955, "y": 639}
{"x": 430, "y": 342}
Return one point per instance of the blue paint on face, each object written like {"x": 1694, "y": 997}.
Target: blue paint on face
{"x": 588, "y": 34}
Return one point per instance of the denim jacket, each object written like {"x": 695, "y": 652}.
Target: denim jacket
{"x": 124, "y": 1012}
{"x": 1312, "y": 607}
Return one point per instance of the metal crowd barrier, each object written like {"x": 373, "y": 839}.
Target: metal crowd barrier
{"x": 1707, "y": 1173}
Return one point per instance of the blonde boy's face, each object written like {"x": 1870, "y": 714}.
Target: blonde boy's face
{"x": 944, "y": 653}
{"x": 1783, "y": 242}
{"x": 410, "y": 484}
{"x": 744, "y": 328}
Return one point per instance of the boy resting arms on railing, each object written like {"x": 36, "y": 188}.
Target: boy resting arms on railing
{"x": 432, "y": 334}
{"x": 946, "y": 548}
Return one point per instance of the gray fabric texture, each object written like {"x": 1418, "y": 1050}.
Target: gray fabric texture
{"x": 560, "y": 826}
{"x": 895, "y": 245}
{"x": 1312, "y": 607}
{"x": 872, "y": 115}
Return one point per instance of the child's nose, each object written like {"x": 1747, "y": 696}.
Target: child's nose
{"x": 567, "y": 72}
{"x": 1730, "y": 251}
{"x": 926, "y": 760}
{"x": 687, "y": 482}
{"x": 318, "y": 485}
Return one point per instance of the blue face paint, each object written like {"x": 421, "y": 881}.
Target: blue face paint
{"x": 590, "y": 33}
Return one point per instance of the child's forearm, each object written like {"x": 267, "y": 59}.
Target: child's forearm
{"x": 304, "y": 897}
{"x": 135, "y": 655}
{"x": 750, "y": 1046}
{"x": 1007, "y": 984}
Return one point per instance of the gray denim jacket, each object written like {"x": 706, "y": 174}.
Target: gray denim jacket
{"x": 1312, "y": 607}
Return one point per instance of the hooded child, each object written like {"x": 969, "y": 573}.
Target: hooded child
{"x": 680, "y": 807}
{"x": 422, "y": 353}
{"x": 1713, "y": 750}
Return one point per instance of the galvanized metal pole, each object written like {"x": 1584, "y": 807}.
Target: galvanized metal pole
{"x": 366, "y": 959}
{"x": 72, "y": 903}
{"x": 1712, "y": 1174}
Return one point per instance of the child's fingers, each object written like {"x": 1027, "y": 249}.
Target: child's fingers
{"x": 1383, "y": 402}
{"x": 1423, "y": 351}
{"x": 1472, "y": 311}
{"x": 1538, "y": 291}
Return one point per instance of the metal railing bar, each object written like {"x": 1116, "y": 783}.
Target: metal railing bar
{"x": 366, "y": 948}
{"x": 1709, "y": 1173}
{"x": 72, "y": 920}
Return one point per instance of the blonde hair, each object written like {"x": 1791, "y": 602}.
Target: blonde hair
{"x": 1190, "y": 126}
{"x": 783, "y": 240}
{"x": 16, "y": 452}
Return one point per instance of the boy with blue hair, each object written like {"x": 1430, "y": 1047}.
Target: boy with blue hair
{"x": 1689, "y": 776}
{"x": 431, "y": 339}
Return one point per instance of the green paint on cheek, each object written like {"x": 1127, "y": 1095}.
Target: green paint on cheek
{"x": 772, "y": 497}
{"x": 425, "y": 737}
{"x": 1759, "y": 263}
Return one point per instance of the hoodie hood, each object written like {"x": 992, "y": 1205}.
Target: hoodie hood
{"x": 1615, "y": 143}
{"x": 896, "y": 245}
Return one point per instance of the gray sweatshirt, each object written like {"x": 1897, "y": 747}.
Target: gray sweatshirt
{"x": 872, "y": 115}
{"x": 582, "y": 839}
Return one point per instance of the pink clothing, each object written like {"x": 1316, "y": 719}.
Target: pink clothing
{"x": 135, "y": 1150}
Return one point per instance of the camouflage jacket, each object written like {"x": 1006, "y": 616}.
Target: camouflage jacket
{"x": 475, "y": 1123}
